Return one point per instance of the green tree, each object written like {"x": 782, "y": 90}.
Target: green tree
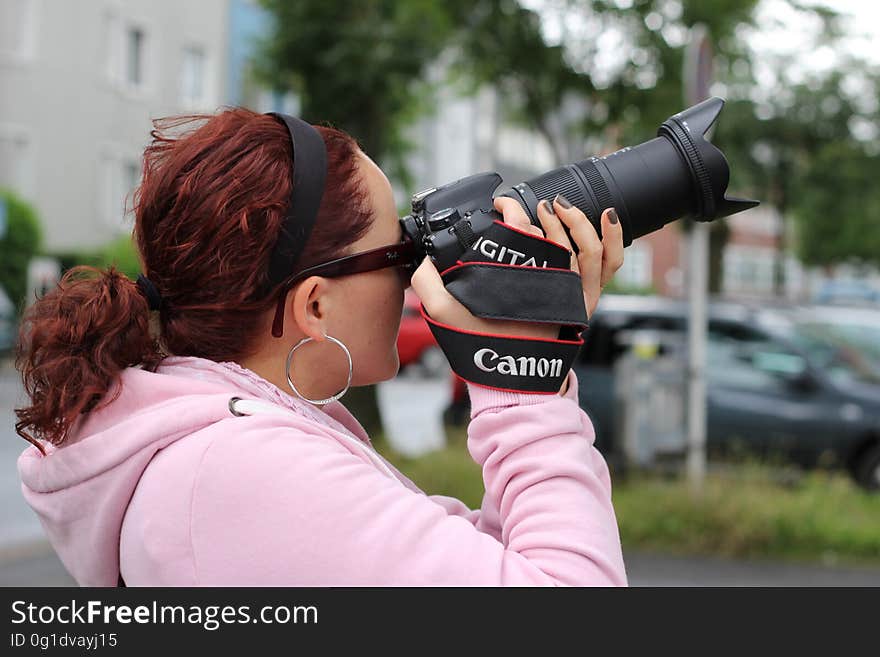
{"x": 360, "y": 66}
{"x": 19, "y": 243}
{"x": 122, "y": 253}
{"x": 807, "y": 148}
{"x": 838, "y": 208}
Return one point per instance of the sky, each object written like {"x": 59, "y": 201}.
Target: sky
{"x": 783, "y": 29}
{"x": 779, "y": 29}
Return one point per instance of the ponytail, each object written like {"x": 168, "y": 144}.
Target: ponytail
{"x": 73, "y": 342}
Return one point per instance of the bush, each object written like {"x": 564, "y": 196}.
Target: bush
{"x": 18, "y": 245}
{"x": 614, "y": 287}
{"x": 120, "y": 252}
{"x": 747, "y": 513}
{"x": 744, "y": 510}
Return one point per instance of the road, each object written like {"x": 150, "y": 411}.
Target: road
{"x": 18, "y": 523}
{"x": 38, "y": 566}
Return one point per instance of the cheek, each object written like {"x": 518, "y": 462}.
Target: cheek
{"x": 377, "y": 306}
{"x": 391, "y": 308}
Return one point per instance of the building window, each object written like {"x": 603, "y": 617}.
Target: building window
{"x": 636, "y": 270}
{"x": 268, "y": 100}
{"x": 130, "y": 177}
{"x": 193, "y": 80}
{"x": 112, "y": 47}
{"x": 523, "y": 148}
{"x": 748, "y": 270}
{"x": 15, "y": 161}
{"x": 126, "y": 53}
{"x": 134, "y": 49}
{"x": 119, "y": 177}
{"x": 17, "y": 29}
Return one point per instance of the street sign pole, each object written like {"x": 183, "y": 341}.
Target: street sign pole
{"x": 697, "y": 78}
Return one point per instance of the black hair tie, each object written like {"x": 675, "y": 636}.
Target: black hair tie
{"x": 149, "y": 290}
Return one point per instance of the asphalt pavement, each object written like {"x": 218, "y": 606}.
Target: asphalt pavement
{"x": 18, "y": 524}
{"x": 37, "y": 565}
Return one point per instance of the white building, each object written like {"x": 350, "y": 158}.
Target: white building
{"x": 79, "y": 84}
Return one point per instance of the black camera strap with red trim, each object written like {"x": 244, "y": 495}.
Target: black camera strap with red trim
{"x": 508, "y": 274}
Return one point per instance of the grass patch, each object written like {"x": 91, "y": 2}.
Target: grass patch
{"x": 449, "y": 471}
{"x": 743, "y": 511}
{"x": 746, "y": 512}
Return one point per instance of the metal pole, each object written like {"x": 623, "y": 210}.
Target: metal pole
{"x": 697, "y": 76}
{"x": 698, "y": 251}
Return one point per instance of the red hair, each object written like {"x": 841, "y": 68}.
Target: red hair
{"x": 208, "y": 211}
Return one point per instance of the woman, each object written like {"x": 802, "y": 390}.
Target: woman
{"x": 177, "y": 440}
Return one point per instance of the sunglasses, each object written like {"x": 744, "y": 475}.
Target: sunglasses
{"x": 401, "y": 254}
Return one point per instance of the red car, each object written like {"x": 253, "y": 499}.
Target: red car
{"x": 415, "y": 342}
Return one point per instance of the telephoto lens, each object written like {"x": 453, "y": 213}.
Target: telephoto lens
{"x": 678, "y": 173}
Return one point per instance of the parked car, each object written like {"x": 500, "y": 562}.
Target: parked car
{"x": 416, "y": 345}
{"x": 777, "y": 383}
{"x": 7, "y": 323}
{"x": 848, "y": 292}
{"x": 856, "y": 328}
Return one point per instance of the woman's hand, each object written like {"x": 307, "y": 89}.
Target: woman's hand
{"x": 597, "y": 261}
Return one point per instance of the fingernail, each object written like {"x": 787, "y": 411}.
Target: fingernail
{"x": 548, "y": 206}
{"x": 564, "y": 202}
{"x": 612, "y": 215}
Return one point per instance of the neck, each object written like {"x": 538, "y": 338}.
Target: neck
{"x": 309, "y": 371}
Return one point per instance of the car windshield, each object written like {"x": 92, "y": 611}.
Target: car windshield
{"x": 848, "y": 353}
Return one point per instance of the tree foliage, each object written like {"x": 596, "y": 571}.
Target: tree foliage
{"x": 360, "y": 66}
{"x": 808, "y": 148}
{"x": 366, "y": 66}
{"x": 18, "y": 245}
{"x": 839, "y": 205}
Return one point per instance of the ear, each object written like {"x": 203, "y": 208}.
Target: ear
{"x": 308, "y": 306}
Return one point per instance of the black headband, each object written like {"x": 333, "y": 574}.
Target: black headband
{"x": 309, "y": 172}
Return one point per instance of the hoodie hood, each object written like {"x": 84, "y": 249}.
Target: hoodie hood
{"x": 81, "y": 490}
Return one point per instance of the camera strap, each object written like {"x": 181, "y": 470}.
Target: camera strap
{"x": 514, "y": 276}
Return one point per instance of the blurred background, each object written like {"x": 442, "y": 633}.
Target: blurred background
{"x": 745, "y": 448}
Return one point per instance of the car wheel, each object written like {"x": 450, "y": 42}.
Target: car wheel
{"x": 867, "y": 470}
{"x": 433, "y": 362}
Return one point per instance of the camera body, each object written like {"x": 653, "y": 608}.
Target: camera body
{"x": 448, "y": 220}
{"x": 678, "y": 173}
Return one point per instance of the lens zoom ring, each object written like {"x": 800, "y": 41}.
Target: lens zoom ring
{"x": 560, "y": 181}
{"x": 595, "y": 182}
{"x": 697, "y": 166}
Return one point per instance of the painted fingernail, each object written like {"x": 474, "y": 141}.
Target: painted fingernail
{"x": 564, "y": 202}
{"x": 612, "y": 215}
{"x": 548, "y": 206}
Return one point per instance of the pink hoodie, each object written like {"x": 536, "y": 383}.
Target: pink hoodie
{"x": 169, "y": 486}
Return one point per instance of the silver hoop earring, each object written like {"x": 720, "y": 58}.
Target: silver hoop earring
{"x": 339, "y": 394}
